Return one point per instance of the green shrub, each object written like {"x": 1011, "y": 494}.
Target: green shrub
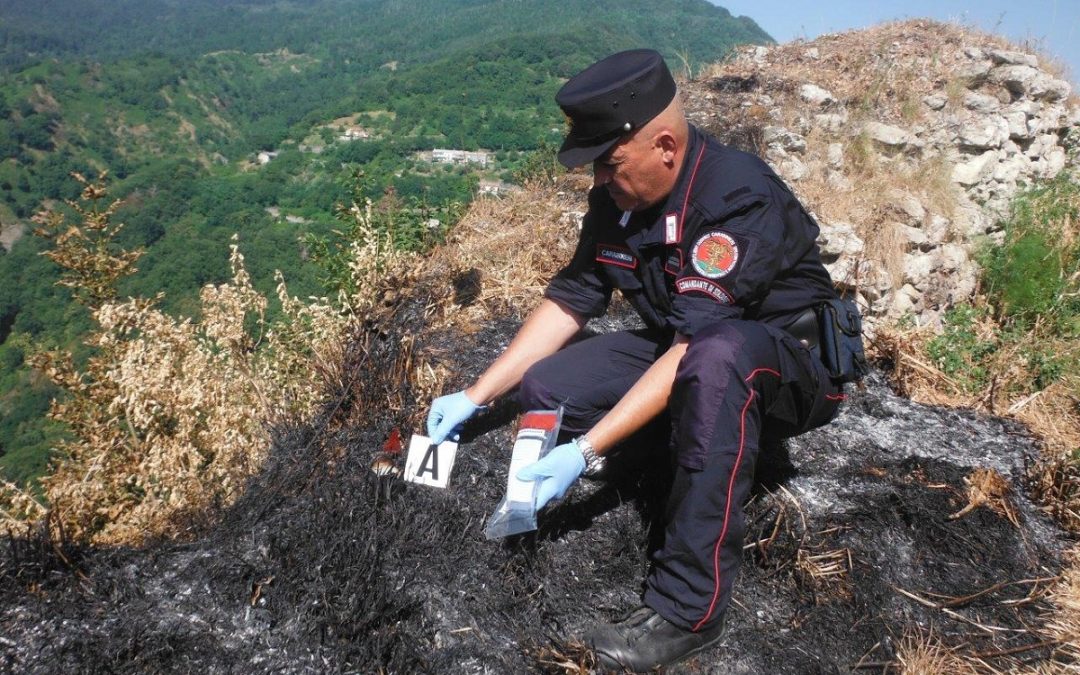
{"x": 1034, "y": 274}
{"x": 963, "y": 351}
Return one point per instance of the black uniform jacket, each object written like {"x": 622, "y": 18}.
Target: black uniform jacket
{"x": 730, "y": 241}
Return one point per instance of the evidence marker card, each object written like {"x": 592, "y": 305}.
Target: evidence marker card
{"x": 429, "y": 464}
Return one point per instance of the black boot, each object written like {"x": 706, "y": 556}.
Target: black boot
{"x": 645, "y": 640}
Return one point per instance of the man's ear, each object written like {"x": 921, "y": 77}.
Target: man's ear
{"x": 669, "y": 146}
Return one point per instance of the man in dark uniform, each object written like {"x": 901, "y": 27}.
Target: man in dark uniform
{"x": 719, "y": 258}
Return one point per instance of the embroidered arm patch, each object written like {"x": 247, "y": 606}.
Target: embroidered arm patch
{"x": 706, "y": 287}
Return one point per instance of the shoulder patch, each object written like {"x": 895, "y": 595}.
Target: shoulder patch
{"x": 616, "y": 255}
{"x": 700, "y": 285}
{"x": 714, "y": 255}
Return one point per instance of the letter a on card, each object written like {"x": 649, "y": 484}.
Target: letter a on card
{"x": 429, "y": 464}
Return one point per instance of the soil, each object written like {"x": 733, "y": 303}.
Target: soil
{"x": 322, "y": 566}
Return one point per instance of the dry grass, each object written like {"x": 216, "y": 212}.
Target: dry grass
{"x": 987, "y": 487}
{"x": 880, "y": 70}
{"x": 1063, "y": 623}
{"x": 516, "y": 244}
{"x": 922, "y": 653}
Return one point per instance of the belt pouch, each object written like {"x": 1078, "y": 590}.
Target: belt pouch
{"x": 841, "y": 340}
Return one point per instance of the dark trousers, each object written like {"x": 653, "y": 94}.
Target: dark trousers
{"x": 740, "y": 382}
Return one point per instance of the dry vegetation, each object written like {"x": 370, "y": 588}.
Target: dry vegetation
{"x": 169, "y": 416}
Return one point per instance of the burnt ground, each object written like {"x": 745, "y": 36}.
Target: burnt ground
{"x": 319, "y": 567}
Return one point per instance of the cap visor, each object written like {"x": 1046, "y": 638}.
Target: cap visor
{"x": 572, "y": 155}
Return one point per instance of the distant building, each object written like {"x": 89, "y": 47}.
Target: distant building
{"x": 354, "y": 134}
{"x": 494, "y": 188}
{"x": 443, "y": 156}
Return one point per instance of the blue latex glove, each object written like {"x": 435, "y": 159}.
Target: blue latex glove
{"x": 447, "y": 415}
{"x": 557, "y": 470}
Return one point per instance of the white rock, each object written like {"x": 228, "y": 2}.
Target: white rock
{"x": 974, "y": 72}
{"x": 1050, "y": 119}
{"x": 904, "y": 301}
{"x": 811, "y": 93}
{"x": 937, "y": 230}
{"x": 910, "y": 291}
{"x": 835, "y": 155}
{"x": 976, "y": 169}
{"x": 1042, "y": 145}
{"x": 839, "y": 182}
{"x": 935, "y": 101}
{"x": 981, "y": 103}
{"x": 984, "y": 134}
{"x": 793, "y": 169}
{"x": 838, "y": 240}
{"x": 917, "y": 268}
{"x": 891, "y": 137}
{"x": 1030, "y": 82}
{"x": 812, "y": 53}
{"x": 1029, "y": 108}
{"x": 830, "y": 121}
{"x": 971, "y": 221}
{"x": 963, "y": 284}
{"x": 1055, "y": 162}
{"x": 575, "y": 218}
{"x": 1002, "y": 57}
{"x": 1051, "y": 89}
{"x": 1010, "y": 168}
{"x": 974, "y": 53}
{"x": 909, "y": 204}
{"x": 1018, "y": 125}
{"x": 787, "y": 140}
{"x": 900, "y": 306}
{"x": 859, "y": 274}
{"x": 951, "y": 257}
{"x": 916, "y": 238}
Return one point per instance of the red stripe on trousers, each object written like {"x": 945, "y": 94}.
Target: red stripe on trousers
{"x": 731, "y": 488}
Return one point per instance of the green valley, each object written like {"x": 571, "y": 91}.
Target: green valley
{"x": 258, "y": 117}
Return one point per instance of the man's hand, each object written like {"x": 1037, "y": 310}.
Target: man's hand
{"x": 557, "y": 471}
{"x": 447, "y": 415}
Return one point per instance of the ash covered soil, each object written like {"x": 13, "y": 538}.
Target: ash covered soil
{"x": 323, "y": 567}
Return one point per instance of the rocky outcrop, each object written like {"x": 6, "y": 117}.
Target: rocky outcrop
{"x": 914, "y": 133}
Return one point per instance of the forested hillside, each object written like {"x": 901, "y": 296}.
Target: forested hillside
{"x": 223, "y": 117}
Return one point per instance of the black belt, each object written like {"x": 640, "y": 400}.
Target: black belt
{"x": 805, "y": 328}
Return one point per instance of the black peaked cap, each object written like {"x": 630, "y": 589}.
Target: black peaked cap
{"x": 611, "y": 98}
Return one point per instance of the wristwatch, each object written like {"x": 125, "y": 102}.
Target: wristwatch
{"x": 594, "y": 463}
